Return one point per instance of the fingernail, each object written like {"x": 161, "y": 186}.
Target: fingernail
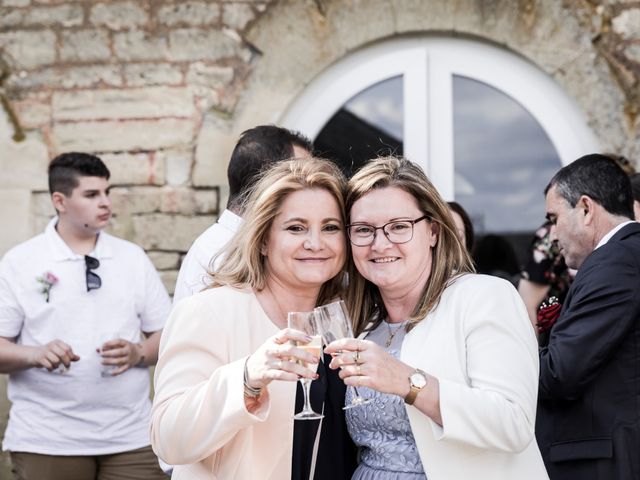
{"x": 308, "y": 338}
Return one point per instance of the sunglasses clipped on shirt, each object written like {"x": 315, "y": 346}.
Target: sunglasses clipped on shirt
{"x": 93, "y": 280}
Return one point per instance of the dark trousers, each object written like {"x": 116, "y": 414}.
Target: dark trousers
{"x": 139, "y": 464}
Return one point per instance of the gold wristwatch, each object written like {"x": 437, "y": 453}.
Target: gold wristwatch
{"x": 417, "y": 381}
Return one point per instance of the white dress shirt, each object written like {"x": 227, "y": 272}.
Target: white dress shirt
{"x": 611, "y": 233}
{"x": 193, "y": 271}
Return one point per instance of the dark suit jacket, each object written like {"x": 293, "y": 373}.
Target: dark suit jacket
{"x": 336, "y": 453}
{"x": 588, "y": 423}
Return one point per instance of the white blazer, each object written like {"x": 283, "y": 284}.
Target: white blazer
{"x": 481, "y": 346}
{"x": 199, "y": 420}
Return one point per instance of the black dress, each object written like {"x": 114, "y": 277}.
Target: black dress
{"x": 337, "y": 454}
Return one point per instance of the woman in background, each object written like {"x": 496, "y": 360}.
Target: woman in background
{"x": 464, "y": 227}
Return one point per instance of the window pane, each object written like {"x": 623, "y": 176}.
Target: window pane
{"x": 503, "y": 159}
{"x": 368, "y": 125}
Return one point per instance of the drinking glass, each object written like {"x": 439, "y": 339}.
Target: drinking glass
{"x": 304, "y": 321}
{"x": 61, "y": 369}
{"x": 101, "y": 339}
{"x": 334, "y": 323}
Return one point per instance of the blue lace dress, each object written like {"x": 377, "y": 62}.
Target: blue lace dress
{"x": 381, "y": 428}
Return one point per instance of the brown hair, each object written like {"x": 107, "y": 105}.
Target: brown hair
{"x": 450, "y": 258}
{"x": 242, "y": 263}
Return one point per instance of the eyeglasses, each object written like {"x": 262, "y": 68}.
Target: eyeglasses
{"x": 93, "y": 280}
{"x": 398, "y": 231}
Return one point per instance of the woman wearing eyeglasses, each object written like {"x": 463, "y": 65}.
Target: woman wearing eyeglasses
{"x": 448, "y": 356}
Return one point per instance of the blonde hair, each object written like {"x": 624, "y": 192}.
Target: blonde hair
{"x": 242, "y": 263}
{"x": 450, "y": 258}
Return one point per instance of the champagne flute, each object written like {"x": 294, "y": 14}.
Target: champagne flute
{"x": 304, "y": 321}
{"x": 334, "y": 323}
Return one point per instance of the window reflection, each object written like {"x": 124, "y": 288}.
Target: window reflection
{"x": 503, "y": 159}
{"x": 368, "y": 125}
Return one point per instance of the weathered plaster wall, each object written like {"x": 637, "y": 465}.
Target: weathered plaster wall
{"x": 564, "y": 39}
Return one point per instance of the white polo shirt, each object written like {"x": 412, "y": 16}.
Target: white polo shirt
{"x": 78, "y": 412}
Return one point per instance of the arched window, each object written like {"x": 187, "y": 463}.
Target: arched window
{"x": 487, "y": 126}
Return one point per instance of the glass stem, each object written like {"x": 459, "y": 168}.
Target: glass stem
{"x": 306, "y": 386}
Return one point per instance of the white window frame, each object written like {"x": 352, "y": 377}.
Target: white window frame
{"x": 427, "y": 65}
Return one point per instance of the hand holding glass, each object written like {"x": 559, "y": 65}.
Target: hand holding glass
{"x": 334, "y": 323}
{"x": 304, "y": 321}
{"x": 59, "y": 350}
{"x": 102, "y": 338}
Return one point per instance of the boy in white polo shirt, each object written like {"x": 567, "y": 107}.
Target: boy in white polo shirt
{"x": 81, "y": 313}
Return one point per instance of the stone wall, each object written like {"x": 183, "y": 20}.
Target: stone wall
{"x": 614, "y": 33}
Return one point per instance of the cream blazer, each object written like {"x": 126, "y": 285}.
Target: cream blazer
{"x": 481, "y": 346}
{"x": 199, "y": 420}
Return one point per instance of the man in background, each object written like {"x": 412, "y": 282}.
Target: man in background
{"x": 588, "y": 421}
{"x": 81, "y": 313}
{"x": 257, "y": 149}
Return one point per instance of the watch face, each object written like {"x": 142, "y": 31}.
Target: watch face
{"x": 418, "y": 380}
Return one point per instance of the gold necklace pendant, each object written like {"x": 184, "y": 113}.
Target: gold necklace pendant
{"x": 392, "y": 333}
{"x": 388, "y": 344}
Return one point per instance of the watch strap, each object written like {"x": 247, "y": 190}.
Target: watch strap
{"x": 411, "y": 396}
{"x": 413, "y": 389}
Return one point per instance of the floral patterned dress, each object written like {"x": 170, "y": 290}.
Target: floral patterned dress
{"x": 381, "y": 428}
{"x": 546, "y": 266}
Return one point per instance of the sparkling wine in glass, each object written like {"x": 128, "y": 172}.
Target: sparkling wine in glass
{"x": 304, "y": 321}
{"x": 334, "y": 323}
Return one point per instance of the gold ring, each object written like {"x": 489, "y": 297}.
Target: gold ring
{"x": 356, "y": 357}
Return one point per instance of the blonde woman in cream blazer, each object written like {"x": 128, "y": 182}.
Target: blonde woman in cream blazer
{"x": 448, "y": 357}
{"x": 225, "y": 382}
{"x": 200, "y": 421}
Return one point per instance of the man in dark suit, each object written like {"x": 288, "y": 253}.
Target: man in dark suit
{"x": 588, "y": 424}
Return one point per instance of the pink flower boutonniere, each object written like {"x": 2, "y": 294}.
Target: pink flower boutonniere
{"x": 548, "y": 313}
{"x": 47, "y": 280}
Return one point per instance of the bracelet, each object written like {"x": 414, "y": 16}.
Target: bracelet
{"x": 250, "y": 391}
